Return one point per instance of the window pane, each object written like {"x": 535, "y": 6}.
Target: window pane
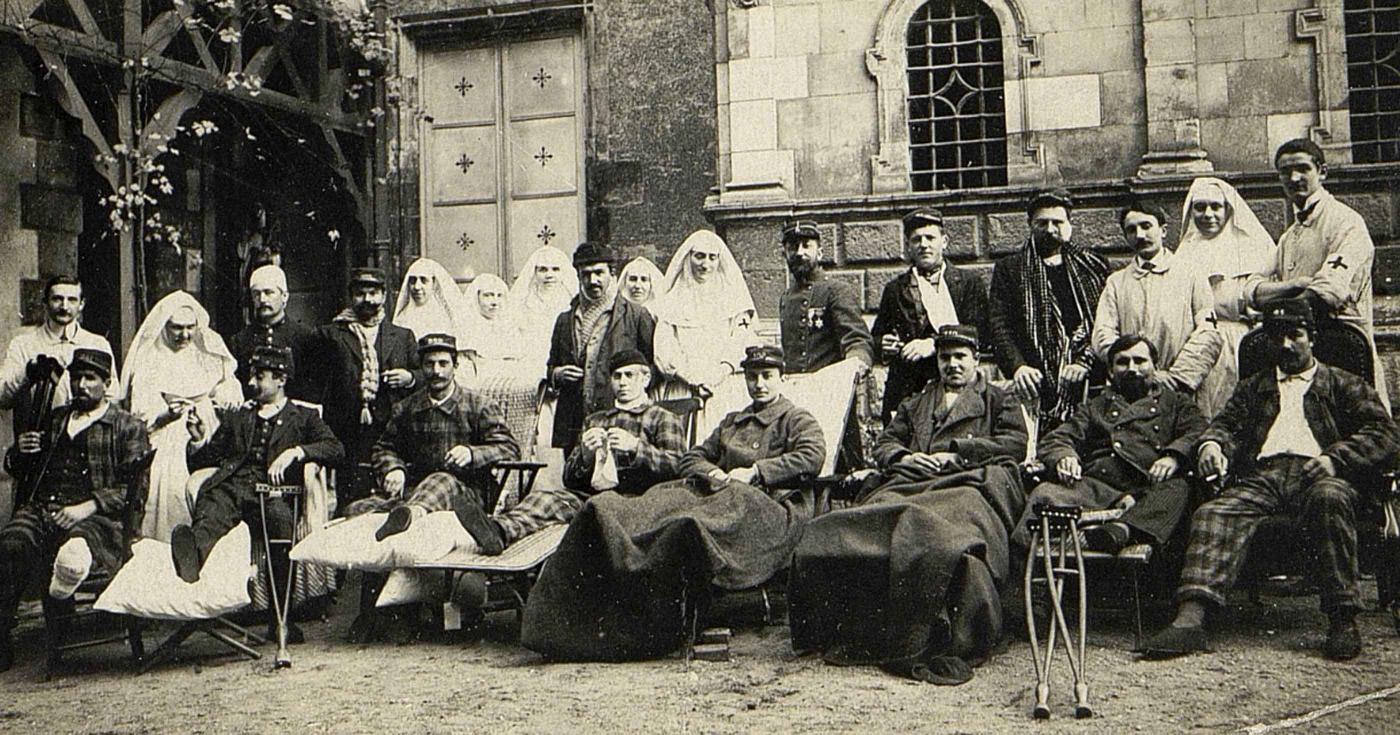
{"x": 1373, "y": 79}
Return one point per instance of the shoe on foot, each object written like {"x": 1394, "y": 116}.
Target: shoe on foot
{"x": 1173, "y": 641}
{"x": 1343, "y": 640}
{"x": 185, "y": 553}
{"x": 7, "y": 651}
{"x": 1109, "y": 538}
{"x": 482, "y": 528}
{"x": 398, "y": 521}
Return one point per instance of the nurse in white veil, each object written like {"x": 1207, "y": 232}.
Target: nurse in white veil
{"x": 176, "y": 366}
{"x": 542, "y": 291}
{"x": 704, "y": 321}
{"x": 1224, "y": 241}
{"x": 640, "y": 281}
{"x": 429, "y": 301}
{"x": 489, "y": 343}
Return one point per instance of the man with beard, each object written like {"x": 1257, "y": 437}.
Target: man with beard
{"x": 1297, "y": 439}
{"x": 821, "y": 325}
{"x": 1325, "y": 256}
{"x": 57, "y": 337}
{"x": 271, "y": 327}
{"x": 931, "y": 294}
{"x": 367, "y": 366}
{"x": 597, "y": 326}
{"x": 1042, "y": 310}
{"x": 646, "y": 440}
{"x": 87, "y": 453}
{"x": 1127, "y": 448}
{"x": 436, "y": 454}
{"x": 1167, "y": 303}
{"x": 908, "y": 578}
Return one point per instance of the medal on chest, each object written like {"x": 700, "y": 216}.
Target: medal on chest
{"x": 815, "y": 318}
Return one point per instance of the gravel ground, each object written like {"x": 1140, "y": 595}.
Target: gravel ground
{"x": 1267, "y": 668}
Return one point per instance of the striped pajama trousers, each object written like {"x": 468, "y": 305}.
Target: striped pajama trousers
{"x": 1221, "y": 530}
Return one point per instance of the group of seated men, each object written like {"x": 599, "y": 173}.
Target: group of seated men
{"x": 731, "y": 511}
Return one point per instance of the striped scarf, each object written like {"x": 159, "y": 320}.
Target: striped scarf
{"x": 1055, "y": 348}
{"x": 369, "y": 370}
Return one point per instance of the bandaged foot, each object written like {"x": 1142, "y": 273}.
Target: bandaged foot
{"x": 71, "y": 568}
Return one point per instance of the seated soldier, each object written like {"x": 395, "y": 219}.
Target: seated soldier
{"x": 908, "y": 578}
{"x": 268, "y": 441}
{"x": 441, "y": 442}
{"x": 646, "y": 439}
{"x": 74, "y": 516}
{"x": 629, "y": 566}
{"x": 1125, "y": 448}
{"x": 1297, "y": 439}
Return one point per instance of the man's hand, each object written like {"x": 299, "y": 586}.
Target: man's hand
{"x": 568, "y": 374}
{"x": 70, "y": 516}
{"x": 1319, "y": 467}
{"x": 195, "y": 426}
{"x": 30, "y": 442}
{"x": 1164, "y": 468}
{"x": 890, "y": 345}
{"x": 174, "y": 410}
{"x": 1212, "y": 462}
{"x": 393, "y": 483}
{"x": 594, "y": 439}
{"x": 1069, "y": 470}
{"x": 918, "y": 349}
{"x": 284, "y": 461}
{"x": 1073, "y": 375}
{"x": 745, "y": 475}
{"x": 718, "y": 475}
{"x": 1026, "y": 382}
{"x": 622, "y": 440}
{"x": 919, "y": 461}
{"x": 1125, "y": 503}
{"x": 459, "y": 457}
{"x": 1165, "y": 379}
{"x": 397, "y": 378}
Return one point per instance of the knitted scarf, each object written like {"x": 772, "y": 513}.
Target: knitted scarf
{"x": 369, "y": 371}
{"x": 1055, "y": 348}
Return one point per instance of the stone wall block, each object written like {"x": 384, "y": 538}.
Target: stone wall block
{"x": 875, "y": 282}
{"x": 58, "y": 252}
{"x": 871, "y": 241}
{"x": 831, "y": 244}
{"x": 1377, "y": 209}
{"x": 42, "y": 208}
{"x": 856, "y": 280}
{"x": 1236, "y": 143}
{"x": 1225, "y": 8}
{"x": 1269, "y": 86}
{"x": 55, "y": 164}
{"x": 1273, "y": 214}
{"x": 1006, "y": 233}
{"x": 1123, "y": 98}
{"x": 964, "y": 237}
{"x": 1268, "y": 35}
{"x": 756, "y": 247}
{"x": 1098, "y": 229}
{"x": 767, "y": 287}
{"x": 39, "y": 118}
{"x": 1169, "y": 42}
{"x": 1219, "y": 39}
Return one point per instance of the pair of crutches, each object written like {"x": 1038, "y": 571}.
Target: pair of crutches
{"x": 280, "y": 600}
{"x": 1056, "y": 547}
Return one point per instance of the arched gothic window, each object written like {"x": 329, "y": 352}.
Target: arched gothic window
{"x": 1373, "y": 79}
{"x": 956, "y": 104}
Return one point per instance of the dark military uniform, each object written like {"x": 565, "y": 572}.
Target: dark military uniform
{"x": 1118, "y": 441}
{"x": 821, "y": 325}
{"x": 286, "y": 333}
{"x": 779, "y": 440}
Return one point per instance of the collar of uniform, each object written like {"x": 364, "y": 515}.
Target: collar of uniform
{"x": 281, "y": 320}
{"x": 270, "y": 411}
{"x": 1306, "y": 376}
{"x": 1305, "y": 215}
{"x": 67, "y": 334}
{"x": 766, "y": 415}
{"x": 1153, "y": 395}
{"x": 1160, "y": 263}
{"x": 935, "y": 278}
{"x": 445, "y": 401}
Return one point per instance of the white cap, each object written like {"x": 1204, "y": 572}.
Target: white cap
{"x": 268, "y": 276}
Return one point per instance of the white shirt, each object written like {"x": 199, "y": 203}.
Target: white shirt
{"x": 79, "y": 422}
{"x": 32, "y": 341}
{"x": 268, "y": 410}
{"x": 938, "y": 303}
{"x": 1290, "y": 434}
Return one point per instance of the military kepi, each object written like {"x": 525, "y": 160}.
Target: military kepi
{"x": 800, "y": 229}
{"x": 367, "y": 277}
{"x": 272, "y": 357}
{"x": 437, "y": 342}
{"x": 922, "y": 217}
{"x": 763, "y": 356}
{"x": 954, "y": 335}
{"x": 97, "y": 361}
{"x": 1288, "y": 313}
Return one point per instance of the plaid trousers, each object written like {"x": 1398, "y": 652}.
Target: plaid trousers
{"x": 1221, "y": 530}
{"x": 29, "y": 541}
{"x": 438, "y": 491}
{"x": 539, "y": 508}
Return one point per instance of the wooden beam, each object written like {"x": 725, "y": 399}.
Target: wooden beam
{"x": 17, "y": 12}
{"x": 162, "y": 30}
{"x": 342, "y": 167}
{"x": 167, "y": 118}
{"x": 181, "y": 73}
{"x": 72, "y": 102}
{"x": 84, "y": 16}
{"x": 201, "y": 44}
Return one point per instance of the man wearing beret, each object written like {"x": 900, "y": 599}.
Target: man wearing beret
{"x": 908, "y": 578}
{"x": 1299, "y": 439}
{"x": 1128, "y": 447}
{"x": 269, "y": 441}
{"x": 271, "y": 326}
{"x": 366, "y": 366}
{"x": 932, "y": 293}
{"x": 597, "y": 326}
{"x": 821, "y": 325}
{"x": 1042, "y": 303}
{"x": 646, "y": 439}
{"x": 87, "y": 455}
